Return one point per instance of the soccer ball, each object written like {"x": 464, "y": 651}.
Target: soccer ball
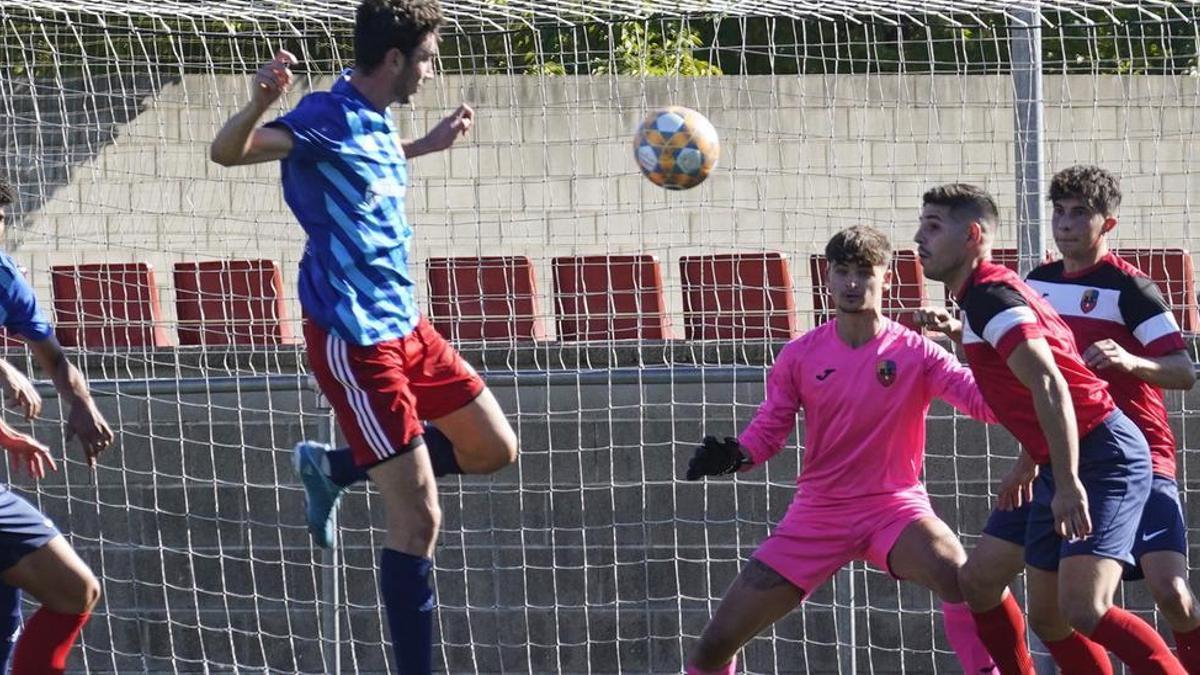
{"x": 676, "y": 147}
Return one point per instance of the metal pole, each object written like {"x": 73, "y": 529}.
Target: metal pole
{"x": 844, "y": 620}
{"x": 1025, "y": 32}
{"x": 1026, "y": 48}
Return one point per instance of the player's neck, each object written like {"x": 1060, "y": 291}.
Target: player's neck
{"x": 375, "y": 89}
{"x": 955, "y": 280}
{"x": 858, "y": 328}
{"x": 1084, "y": 260}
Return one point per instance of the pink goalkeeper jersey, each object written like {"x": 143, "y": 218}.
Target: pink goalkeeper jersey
{"x": 864, "y": 409}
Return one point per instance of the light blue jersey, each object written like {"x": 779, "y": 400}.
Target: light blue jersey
{"x": 345, "y": 179}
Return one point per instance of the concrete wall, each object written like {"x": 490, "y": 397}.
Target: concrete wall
{"x": 118, "y": 169}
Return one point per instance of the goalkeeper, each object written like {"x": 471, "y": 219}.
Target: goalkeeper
{"x": 865, "y": 384}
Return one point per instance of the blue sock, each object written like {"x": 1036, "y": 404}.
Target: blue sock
{"x": 408, "y": 598}
{"x": 10, "y": 622}
{"x": 441, "y": 452}
{"x": 342, "y": 469}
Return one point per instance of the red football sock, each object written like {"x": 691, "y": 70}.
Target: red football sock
{"x": 1077, "y": 654}
{"x": 46, "y": 642}
{"x": 1002, "y": 630}
{"x": 1187, "y": 646}
{"x": 1137, "y": 644}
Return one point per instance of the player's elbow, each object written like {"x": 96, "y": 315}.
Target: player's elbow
{"x": 1185, "y": 377}
{"x": 222, "y": 155}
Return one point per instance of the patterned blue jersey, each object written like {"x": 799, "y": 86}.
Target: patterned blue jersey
{"x": 345, "y": 179}
{"x": 19, "y": 309}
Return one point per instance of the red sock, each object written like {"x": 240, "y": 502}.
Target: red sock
{"x": 1002, "y": 630}
{"x": 1137, "y": 644}
{"x": 1187, "y": 646}
{"x": 1077, "y": 654}
{"x": 46, "y": 642}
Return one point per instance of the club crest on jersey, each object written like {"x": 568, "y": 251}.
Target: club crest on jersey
{"x": 1088, "y": 302}
{"x": 886, "y": 372}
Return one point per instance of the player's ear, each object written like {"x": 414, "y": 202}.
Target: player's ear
{"x": 1110, "y": 223}
{"x": 887, "y": 277}
{"x": 975, "y": 232}
{"x": 395, "y": 59}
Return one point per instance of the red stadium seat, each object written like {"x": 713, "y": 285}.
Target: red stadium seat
{"x": 107, "y": 306}
{"x": 907, "y": 293}
{"x": 487, "y": 298}
{"x": 1172, "y": 270}
{"x": 230, "y": 302}
{"x": 1009, "y": 258}
{"x": 615, "y": 297}
{"x": 737, "y": 296}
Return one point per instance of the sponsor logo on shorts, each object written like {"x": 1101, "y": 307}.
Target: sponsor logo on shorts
{"x": 1150, "y": 535}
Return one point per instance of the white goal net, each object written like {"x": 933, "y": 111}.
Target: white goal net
{"x": 592, "y": 554}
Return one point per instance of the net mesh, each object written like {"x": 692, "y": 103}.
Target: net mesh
{"x": 591, "y": 555}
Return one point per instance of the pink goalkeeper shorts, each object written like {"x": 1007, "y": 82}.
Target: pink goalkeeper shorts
{"x": 815, "y": 540}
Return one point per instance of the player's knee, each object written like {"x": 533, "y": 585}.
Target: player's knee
{"x": 976, "y": 584}
{"x": 78, "y": 597}
{"x": 1082, "y": 611}
{"x": 1174, "y": 599}
{"x": 1048, "y": 625}
{"x": 415, "y": 529}
{"x": 499, "y": 452}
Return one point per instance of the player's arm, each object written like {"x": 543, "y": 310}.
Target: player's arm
{"x": 443, "y": 135}
{"x": 1170, "y": 371}
{"x": 767, "y": 433}
{"x": 955, "y": 384}
{"x": 940, "y": 320}
{"x": 1164, "y": 361}
{"x": 242, "y": 140}
{"x": 1032, "y": 362}
{"x": 84, "y": 420}
{"x": 26, "y": 451}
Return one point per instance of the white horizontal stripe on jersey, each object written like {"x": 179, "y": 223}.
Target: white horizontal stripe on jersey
{"x": 1067, "y": 300}
{"x": 1004, "y": 321}
{"x": 1155, "y": 327}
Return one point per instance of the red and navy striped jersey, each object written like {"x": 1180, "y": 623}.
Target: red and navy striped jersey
{"x": 1113, "y": 300}
{"x": 999, "y": 312}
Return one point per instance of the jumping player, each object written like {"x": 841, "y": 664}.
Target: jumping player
{"x": 1094, "y": 463}
{"x": 860, "y": 495}
{"x": 1130, "y": 339}
{"x": 376, "y": 358}
{"x": 34, "y": 556}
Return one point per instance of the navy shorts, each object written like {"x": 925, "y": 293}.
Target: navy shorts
{"x": 1162, "y": 527}
{"x": 1114, "y": 467}
{"x": 1010, "y": 525}
{"x": 23, "y": 529}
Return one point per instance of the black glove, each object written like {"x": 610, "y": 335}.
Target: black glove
{"x": 716, "y": 458}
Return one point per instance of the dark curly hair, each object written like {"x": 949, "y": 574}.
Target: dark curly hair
{"x": 1095, "y": 187}
{"x": 967, "y": 203}
{"x": 8, "y": 193}
{"x": 383, "y": 25}
{"x": 860, "y": 244}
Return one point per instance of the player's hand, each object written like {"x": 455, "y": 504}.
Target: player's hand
{"x": 25, "y": 451}
{"x": 716, "y": 458}
{"x": 1016, "y": 489}
{"x": 937, "y": 319}
{"x": 19, "y": 391}
{"x": 454, "y": 125}
{"x": 87, "y": 424}
{"x": 1070, "y": 508}
{"x": 273, "y": 79}
{"x": 1107, "y": 354}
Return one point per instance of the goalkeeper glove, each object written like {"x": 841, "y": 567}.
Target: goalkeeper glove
{"x": 716, "y": 458}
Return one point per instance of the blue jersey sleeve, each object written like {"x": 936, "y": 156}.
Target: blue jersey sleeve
{"x": 22, "y": 313}
{"x": 317, "y": 126}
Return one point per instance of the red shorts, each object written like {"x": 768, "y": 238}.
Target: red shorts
{"x": 382, "y": 392}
